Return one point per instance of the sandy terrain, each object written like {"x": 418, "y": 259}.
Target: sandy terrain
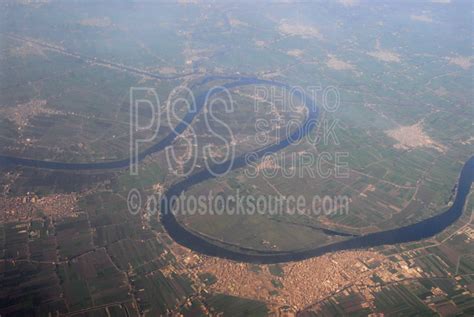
{"x": 27, "y": 49}
{"x": 337, "y": 64}
{"x": 421, "y": 18}
{"x": 384, "y": 55}
{"x": 413, "y": 136}
{"x": 236, "y": 22}
{"x": 23, "y": 113}
{"x": 34, "y": 3}
{"x": 295, "y": 53}
{"x": 349, "y": 3}
{"x": 465, "y": 62}
{"x": 441, "y": 91}
{"x": 268, "y": 164}
{"x": 96, "y": 22}
{"x": 167, "y": 70}
{"x": 305, "y": 31}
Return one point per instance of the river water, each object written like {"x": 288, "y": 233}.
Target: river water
{"x": 417, "y": 231}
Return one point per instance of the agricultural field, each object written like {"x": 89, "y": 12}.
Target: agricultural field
{"x": 392, "y": 83}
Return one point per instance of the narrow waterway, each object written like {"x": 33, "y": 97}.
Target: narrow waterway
{"x": 183, "y": 236}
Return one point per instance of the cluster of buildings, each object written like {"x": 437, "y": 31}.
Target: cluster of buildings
{"x": 305, "y": 282}
{"x": 30, "y": 205}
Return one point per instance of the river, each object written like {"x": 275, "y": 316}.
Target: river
{"x": 417, "y": 231}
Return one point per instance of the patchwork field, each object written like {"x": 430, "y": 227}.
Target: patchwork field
{"x": 393, "y": 85}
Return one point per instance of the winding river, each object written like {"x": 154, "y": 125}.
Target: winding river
{"x": 417, "y": 231}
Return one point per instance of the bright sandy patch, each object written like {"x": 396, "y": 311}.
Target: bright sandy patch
{"x": 337, "y": 64}
{"x": 167, "y": 70}
{"x": 268, "y": 164}
{"x": 22, "y": 114}
{"x": 413, "y": 136}
{"x": 470, "y": 140}
{"x": 96, "y": 22}
{"x": 464, "y": 62}
{"x": 27, "y": 49}
{"x": 302, "y": 30}
{"x": 349, "y": 3}
{"x": 236, "y": 22}
{"x": 295, "y": 53}
{"x": 193, "y": 54}
{"x": 36, "y": 3}
{"x": 421, "y": 18}
{"x": 384, "y": 55}
{"x": 441, "y": 92}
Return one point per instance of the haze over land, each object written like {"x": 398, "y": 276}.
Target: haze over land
{"x": 392, "y": 82}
